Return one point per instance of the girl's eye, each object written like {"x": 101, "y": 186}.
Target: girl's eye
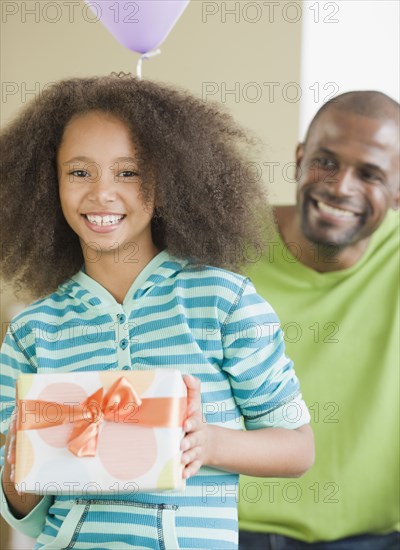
{"x": 127, "y": 174}
{"x": 79, "y": 173}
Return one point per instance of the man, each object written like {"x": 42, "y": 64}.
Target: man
{"x": 332, "y": 275}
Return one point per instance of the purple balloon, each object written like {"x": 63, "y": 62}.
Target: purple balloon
{"x": 140, "y": 26}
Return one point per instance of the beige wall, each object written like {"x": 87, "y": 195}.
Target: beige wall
{"x": 215, "y": 47}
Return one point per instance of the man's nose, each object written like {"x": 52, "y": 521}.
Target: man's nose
{"x": 343, "y": 182}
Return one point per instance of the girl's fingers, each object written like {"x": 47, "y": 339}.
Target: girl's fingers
{"x": 192, "y": 444}
{"x": 11, "y": 439}
{"x": 193, "y": 454}
{"x": 193, "y": 394}
{"x": 195, "y": 439}
{"x": 11, "y": 450}
{"x": 11, "y": 446}
{"x": 192, "y": 383}
{"x": 192, "y": 469}
{"x": 12, "y": 428}
{"x": 193, "y": 423}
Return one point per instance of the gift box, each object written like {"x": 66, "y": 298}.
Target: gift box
{"x": 100, "y": 432}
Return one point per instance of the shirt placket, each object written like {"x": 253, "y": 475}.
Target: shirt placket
{"x": 123, "y": 341}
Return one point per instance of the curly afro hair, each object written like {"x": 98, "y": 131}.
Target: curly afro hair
{"x": 211, "y": 202}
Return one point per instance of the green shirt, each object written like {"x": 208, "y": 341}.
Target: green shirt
{"x": 341, "y": 329}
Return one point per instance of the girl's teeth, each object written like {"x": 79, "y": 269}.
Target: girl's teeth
{"x": 106, "y": 220}
{"x": 336, "y": 211}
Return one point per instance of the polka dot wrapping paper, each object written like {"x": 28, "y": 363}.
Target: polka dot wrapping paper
{"x": 100, "y": 432}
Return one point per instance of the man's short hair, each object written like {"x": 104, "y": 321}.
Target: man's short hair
{"x": 368, "y": 103}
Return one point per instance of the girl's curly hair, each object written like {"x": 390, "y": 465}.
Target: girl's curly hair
{"x": 209, "y": 196}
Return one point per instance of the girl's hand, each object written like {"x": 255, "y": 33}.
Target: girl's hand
{"x": 10, "y": 452}
{"x": 195, "y": 443}
{"x": 20, "y": 504}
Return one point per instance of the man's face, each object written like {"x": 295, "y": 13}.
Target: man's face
{"x": 348, "y": 177}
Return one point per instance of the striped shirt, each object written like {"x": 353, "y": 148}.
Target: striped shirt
{"x": 205, "y": 321}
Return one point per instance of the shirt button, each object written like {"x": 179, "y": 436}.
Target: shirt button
{"x": 121, "y": 318}
{"x": 123, "y": 343}
{"x": 126, "y": 367}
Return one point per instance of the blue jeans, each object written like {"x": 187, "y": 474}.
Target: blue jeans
{"x": 266, "y": 541}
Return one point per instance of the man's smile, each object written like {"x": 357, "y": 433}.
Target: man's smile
{"x": 335, "y": 211}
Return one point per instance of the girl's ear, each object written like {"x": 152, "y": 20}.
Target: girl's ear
{"x": 156, "y": 213}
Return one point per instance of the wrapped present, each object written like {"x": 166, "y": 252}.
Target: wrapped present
{"x": 100, "y": 432}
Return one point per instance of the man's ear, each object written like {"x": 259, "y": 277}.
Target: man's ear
{"x": 299, "y": 159}
{"x": 396, "y": 201}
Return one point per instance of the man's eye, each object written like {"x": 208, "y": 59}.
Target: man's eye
{"x": 325, "y": 163}
{"x": 79, "y": 173}
{"x": 372, "y": 177}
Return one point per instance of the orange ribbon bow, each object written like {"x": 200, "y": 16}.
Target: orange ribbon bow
{"x": 119, "y": 404}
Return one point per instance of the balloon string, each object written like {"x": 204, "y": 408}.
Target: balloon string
{"x": 146, "y": 55}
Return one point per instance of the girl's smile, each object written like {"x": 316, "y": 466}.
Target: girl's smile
{"x": 103, "y": 222}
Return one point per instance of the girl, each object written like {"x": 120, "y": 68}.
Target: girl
{"x": 120, "y": 195}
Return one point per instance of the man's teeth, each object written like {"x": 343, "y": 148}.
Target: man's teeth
{"x": 336, "y": 211}
{"x": 104, "y": 220}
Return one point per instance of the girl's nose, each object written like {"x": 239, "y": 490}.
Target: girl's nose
{"x": 102, "y": 186}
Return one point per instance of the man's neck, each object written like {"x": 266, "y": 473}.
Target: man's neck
{"x": 321, "y": 258}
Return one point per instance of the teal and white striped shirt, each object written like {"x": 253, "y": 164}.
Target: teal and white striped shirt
{"x": 205, "y": 321}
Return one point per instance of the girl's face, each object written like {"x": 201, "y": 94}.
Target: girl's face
{"x": 100, "y": 188}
